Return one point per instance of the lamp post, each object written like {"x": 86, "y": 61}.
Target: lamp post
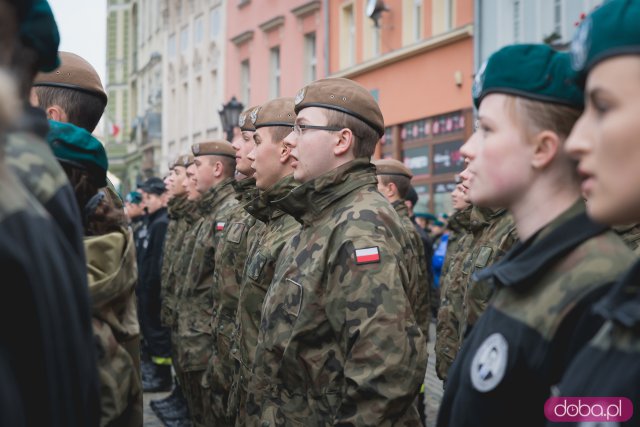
{"x": 229, "y": 116}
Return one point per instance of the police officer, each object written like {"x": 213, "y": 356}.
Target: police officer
{"x": 540, "y": 313}
{"x": 330, "y": 351}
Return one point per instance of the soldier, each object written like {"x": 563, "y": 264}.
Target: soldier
{"x": 231, "y": 255}
{"x": 605, "y": 141}
{"x": 338, "y": 341}
{"x": 215, "y": 166}
{"x": 540, "y": 313}
{"x": 112, "y": 274}
{"x": 274, "y": 177}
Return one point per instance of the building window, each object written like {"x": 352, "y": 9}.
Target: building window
{"x": 348, "y": 37}
{"x": 417, "y": 20}
{"x": 557, "y": 17}
{"x": 376, "y": 42}
{"x": 517, "y": 21}
{"x": 274, "y": 72}
{"x": 172, "y": 46}
{"x": 214, "y": 23}
{"x": 448, "y": 14}
{"x": 198, "y": 30}
{"x": 311, "y": 60}
{"x": 184, "y": 39}
{"x": 245, "y": 82}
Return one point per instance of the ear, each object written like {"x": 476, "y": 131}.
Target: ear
{"x": 345, "y": 143}
{"x": 218, "y": 169}
{"x": 55, "y": 112}
{"x": 285, "y": 153}
{"x": 546, "y": 145}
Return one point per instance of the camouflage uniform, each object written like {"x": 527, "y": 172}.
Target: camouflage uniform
{"x": 231, "y": 255}
{"x": 631, "y": 236}
{"x": 338, "y": 342}
{"x": 539, "y": 317}
{"x": 261, "y": 261}
{"x": 194, "y": 304}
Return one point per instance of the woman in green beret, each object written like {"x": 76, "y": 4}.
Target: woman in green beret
{"x": 605, "y": 141}
{"x": 540, "y": 312}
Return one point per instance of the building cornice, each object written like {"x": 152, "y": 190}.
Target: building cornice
{"x": 306, "y": 9}
{"x": 242, "y": 38}
{"x": 272, "y": 24}
{"x": 426, "y": 45}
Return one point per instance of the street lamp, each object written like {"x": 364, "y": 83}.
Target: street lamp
{"x": 229, "y": 116}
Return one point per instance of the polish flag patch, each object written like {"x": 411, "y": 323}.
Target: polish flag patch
{"x": 219, "y": 226}
{"x": 367, "y": 255}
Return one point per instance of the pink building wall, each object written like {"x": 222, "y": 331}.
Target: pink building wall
{"x": 243, "y": 16}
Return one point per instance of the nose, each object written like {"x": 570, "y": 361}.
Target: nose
{"x": 579, "y": 142}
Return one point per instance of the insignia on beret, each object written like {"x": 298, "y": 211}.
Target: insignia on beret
{"x": 299, "y": 96}
{"x": 478, "y": 81}
{"x": 254, "y": 115}
{"x": 196, "y": 149}
{"x": 580, "y": 45}
{"x": 242, "y": 119}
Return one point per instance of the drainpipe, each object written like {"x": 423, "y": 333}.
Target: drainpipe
{"x": 325, "y": 53}
{"x": 477, "y": 34}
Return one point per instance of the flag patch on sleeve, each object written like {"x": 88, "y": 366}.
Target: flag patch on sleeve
{"x": 219, "y": 226}
{"x": 367, "y": 255}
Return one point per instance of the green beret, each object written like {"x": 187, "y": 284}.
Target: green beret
{"x": 611, "y": 30}
{"x": 244, "y": 120}
{"x": 533, "y": 71}
{"x": 277, "y": 112}
{"x": 342, "y": 95}
{"x": 77, "y": 147}
{"x": 426, "y": 215}
{"x": 134, "y": 198}
{"x": 38, "y": 30}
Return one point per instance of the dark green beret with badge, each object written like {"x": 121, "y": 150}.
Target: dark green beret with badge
{"x": 277, "y": 112}
{"x": 611, "y": 30}
{"x": 38, "y": 30}
{"x": 342, "y": 95}
{"x": 77, "y": 147}
{"x": 533, "y": 71}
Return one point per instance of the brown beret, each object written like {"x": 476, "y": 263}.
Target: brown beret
{"x": 244, "y": 120}
{"x": 392, "y": 167}
{"x": 73, "y": 73}
{"x": 218, "y": 147}
{"x": 277, "y": 112}
{"x": 342, "y": 95}
{"x": 185, "y": 160}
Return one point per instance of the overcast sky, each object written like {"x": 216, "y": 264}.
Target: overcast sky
{"x": 82, "y": 25}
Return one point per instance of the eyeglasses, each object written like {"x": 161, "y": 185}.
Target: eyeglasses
{"x": 297, "y": 129}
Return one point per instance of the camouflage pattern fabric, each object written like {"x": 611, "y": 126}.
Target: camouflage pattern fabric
{"x": 112, "y": 280}
{"x": 258, "y": 272}
{"x": 631, "y": 236}
{"x": 338, "y": 341}
{"x": 231, "y": 255}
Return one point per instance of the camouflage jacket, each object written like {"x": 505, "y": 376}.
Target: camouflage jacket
{"x": 338, "y": 342}
{"x": 194, "y": 303}
{"x": 112, "y": 280}
{"x": 539, "y": 317}
{"x": 631, "y": 236}
{"x": 258, "y": 273}
{"x": 452, "y": 292}
{"x": 172, "y": 244}
{"x": 419, "y": 295}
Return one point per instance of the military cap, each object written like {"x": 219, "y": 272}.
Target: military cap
{"x": 77, "y": 147}
{"x": 154, "y": 185}
{"x": 244, "y": 120}
{"x": 611, "y": 30}
{"x": 39, "y": 31}
{"x": 133, "y": 197}
{"x": 185, "y": 160}
{"x": 73, "y": 73}
{"x": 342, "y": 95}
{"x": 218, "y": 147}
{"x": 533, "y": 71}
{"x": 426, "y": 215}
{"x": 392, "y": 167}
{"x": 277, "y": 112}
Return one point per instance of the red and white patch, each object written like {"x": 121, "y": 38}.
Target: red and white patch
{"x": 367, "y": 255}
{"x": 219, "y": 226}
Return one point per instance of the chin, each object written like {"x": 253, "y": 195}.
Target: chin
{"x": 605, "y": 212}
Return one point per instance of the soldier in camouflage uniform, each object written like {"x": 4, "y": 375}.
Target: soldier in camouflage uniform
{"x": 240, "y": 231}
{"x": 274, "y": 177}
{"x": 338, "y": 341}
{"x": 605, "y": 52}
{"x": 215, "y": 165}
{"x": 540, "y": 313}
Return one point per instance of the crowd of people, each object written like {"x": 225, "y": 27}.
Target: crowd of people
{"x": 283, "y": 279}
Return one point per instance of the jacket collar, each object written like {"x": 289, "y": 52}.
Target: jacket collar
{"x": 214, "y": 195}
{"x": 177, "y": 206}
{"x": 262, "y": 206}
{"x": 622, "y": 303}
{"x": 245, "y": 189}
{"x": 461, "y": 220}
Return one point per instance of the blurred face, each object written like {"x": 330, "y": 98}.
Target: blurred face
{"x": 189, "y": 183}
{"x": 179, "y": 175}
{"x": 153, "y": 202}
{"x": 204, "y": 173}
{"x": 169, "y": 183}
{"x": 465, "y": 181}
{"x": 312, "y": 150}
{"x": 458, "y": 198}
{"x": 606, "y": 141}
{"x": 499, "y": 168}
{"x": 134, "y": 210}
{"x": 243, "y": 144}
{"x": 269, "y": 159}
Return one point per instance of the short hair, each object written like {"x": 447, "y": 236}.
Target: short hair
{"x": 401, "y": 182}
{"x": 228, "y": 163}
{"x": 365, "y": 137}
{"x": 537, "y": 116}
{"x": 83, "y": 109}
{"x": 279, "y": 133}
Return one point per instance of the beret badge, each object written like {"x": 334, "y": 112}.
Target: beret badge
{"x": 242, "y": 119}
{"x": 478, "y": 81}
{"x": 196, "y": 149}
{"x": 580, "y": 45}
{"x": 254, "y": 115}
{"x": 299, "y": 96}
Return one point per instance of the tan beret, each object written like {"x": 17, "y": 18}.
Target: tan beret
{"x": 392, "y": 167}
{"x": 277, "y": 112}
{"x": 218, "y": 147}
{"x": 244, "y": 120}
{"x": 73, "y": 73}
{"x": 185, "y": 160}
{"x": 342, "y": 95}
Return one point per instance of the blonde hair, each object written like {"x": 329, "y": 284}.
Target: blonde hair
{"x": 537, "y": 116}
